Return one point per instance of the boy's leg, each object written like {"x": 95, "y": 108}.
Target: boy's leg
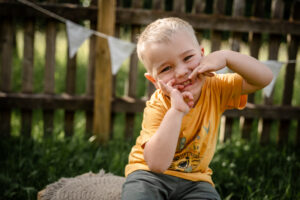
{"x": 143, "y": 185}
{"x": 190, "y": 190}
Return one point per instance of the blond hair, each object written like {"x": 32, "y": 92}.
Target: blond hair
{"x": 162, "y": 30}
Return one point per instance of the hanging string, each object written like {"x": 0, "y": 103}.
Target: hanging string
{"x": 46, "y": 12}
{"x": 55, "y": 16}
{"x": 290, "y": 61}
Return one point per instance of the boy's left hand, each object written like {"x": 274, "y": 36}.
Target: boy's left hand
{"x": 209, "y": 64}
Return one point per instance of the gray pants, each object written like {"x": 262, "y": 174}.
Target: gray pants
{"x": 143, "y": 185}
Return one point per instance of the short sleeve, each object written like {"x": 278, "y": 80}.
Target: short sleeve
{"x": 231, "y": 91}
{"x": 154, "y": 113}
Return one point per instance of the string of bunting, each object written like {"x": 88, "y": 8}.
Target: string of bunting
{"x": 120, "y": 50}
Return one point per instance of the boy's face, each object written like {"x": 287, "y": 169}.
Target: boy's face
{"x": 175, "y": 60}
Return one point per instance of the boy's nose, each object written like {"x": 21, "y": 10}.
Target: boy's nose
{"x": 181, "y": 70}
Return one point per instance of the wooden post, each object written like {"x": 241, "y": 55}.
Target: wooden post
{"x": 103, "y": 77}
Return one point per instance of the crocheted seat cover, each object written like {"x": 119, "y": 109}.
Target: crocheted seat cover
{"x": 89, "y": 186}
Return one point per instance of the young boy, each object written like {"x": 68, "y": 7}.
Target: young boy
{"x": 179, "y": 131}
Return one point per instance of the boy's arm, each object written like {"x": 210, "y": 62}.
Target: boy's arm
{"x": 160, "y": 149}
{"x": 255, "y": 74}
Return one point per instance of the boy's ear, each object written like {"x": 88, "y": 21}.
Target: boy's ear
{"x": 151, "y": 78}
{"x": 202, "y": 51}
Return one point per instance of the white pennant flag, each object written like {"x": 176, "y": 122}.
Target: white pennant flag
{"x": 223, "y": 70}
{"x": 119, "y": 51}
{"x": 275, "y": 67}
{"x": 76, "y": 36}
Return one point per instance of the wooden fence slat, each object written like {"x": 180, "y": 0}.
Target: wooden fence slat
{"x": 1, "y": 42}
{"x": 216, "y": 39}
{"x": 274, "y": 43}
{"x": 90, "y": 74}
{"x": 27, "y": 75}
{"x": 157, "y": 5}
{"x": 218, "y": 9}
{"x": 198, "y": 8}
{"x": 6, "y": 72}
{"x": 49, "y": 83}
{"x": 255, "y": 43}
{"x": 238, "y": 10}
{"x": 70, "y": 89}
{"x": 179, "y": 6}
{"x": 103, "y": 80}
{"x": 6, "y": 59}
{"x": 298, "y": 134}
{"x": 114, "y": 86}
{"x": 132, "y": 78}
{"x": 293, "y": 46}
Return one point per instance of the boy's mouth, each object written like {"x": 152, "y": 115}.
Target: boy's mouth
{"x": 187, "y": 82}
{"x": 184, "y": 84}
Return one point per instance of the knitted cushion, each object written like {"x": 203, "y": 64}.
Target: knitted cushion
{"x": 88, "y": 186}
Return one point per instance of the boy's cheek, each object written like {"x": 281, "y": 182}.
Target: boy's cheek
{"x": 193, "y": 65}
{"x": 196, "y": 61}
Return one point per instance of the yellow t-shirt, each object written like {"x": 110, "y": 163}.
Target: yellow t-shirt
{"x": 199, "y": 128}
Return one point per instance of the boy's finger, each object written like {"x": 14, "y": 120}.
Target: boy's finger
{"x": 179, "y": 87}
{"x": 171, "y": 83}
{"x": 210, "y": 74}
{"x": 194, "y": 73}
{"x": 189, "y": 99}
{"x": 188, "y": 95}
{"x": 203, "y": 70}
{"x": 163, "y": 86}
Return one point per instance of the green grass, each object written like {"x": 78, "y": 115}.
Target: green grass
{"x": 28, "y": 165}
{"x": 242, "y": 170}
{"x": 246, "y": 170}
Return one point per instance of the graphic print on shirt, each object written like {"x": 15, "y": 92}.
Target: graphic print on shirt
{"x": 190, "y": 158}
{"x": 186, "y": 162}
{"x": 207, "y": 129}
{"x": 181, "y": 143}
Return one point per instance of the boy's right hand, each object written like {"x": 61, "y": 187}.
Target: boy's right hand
{"x": 182, "y": 102}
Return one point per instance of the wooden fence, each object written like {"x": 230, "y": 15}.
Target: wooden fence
{"x": 238, "y": 21}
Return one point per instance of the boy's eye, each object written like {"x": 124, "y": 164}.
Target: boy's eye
{"x": 188, "y": 57}
{"x": 165, "y": 69}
